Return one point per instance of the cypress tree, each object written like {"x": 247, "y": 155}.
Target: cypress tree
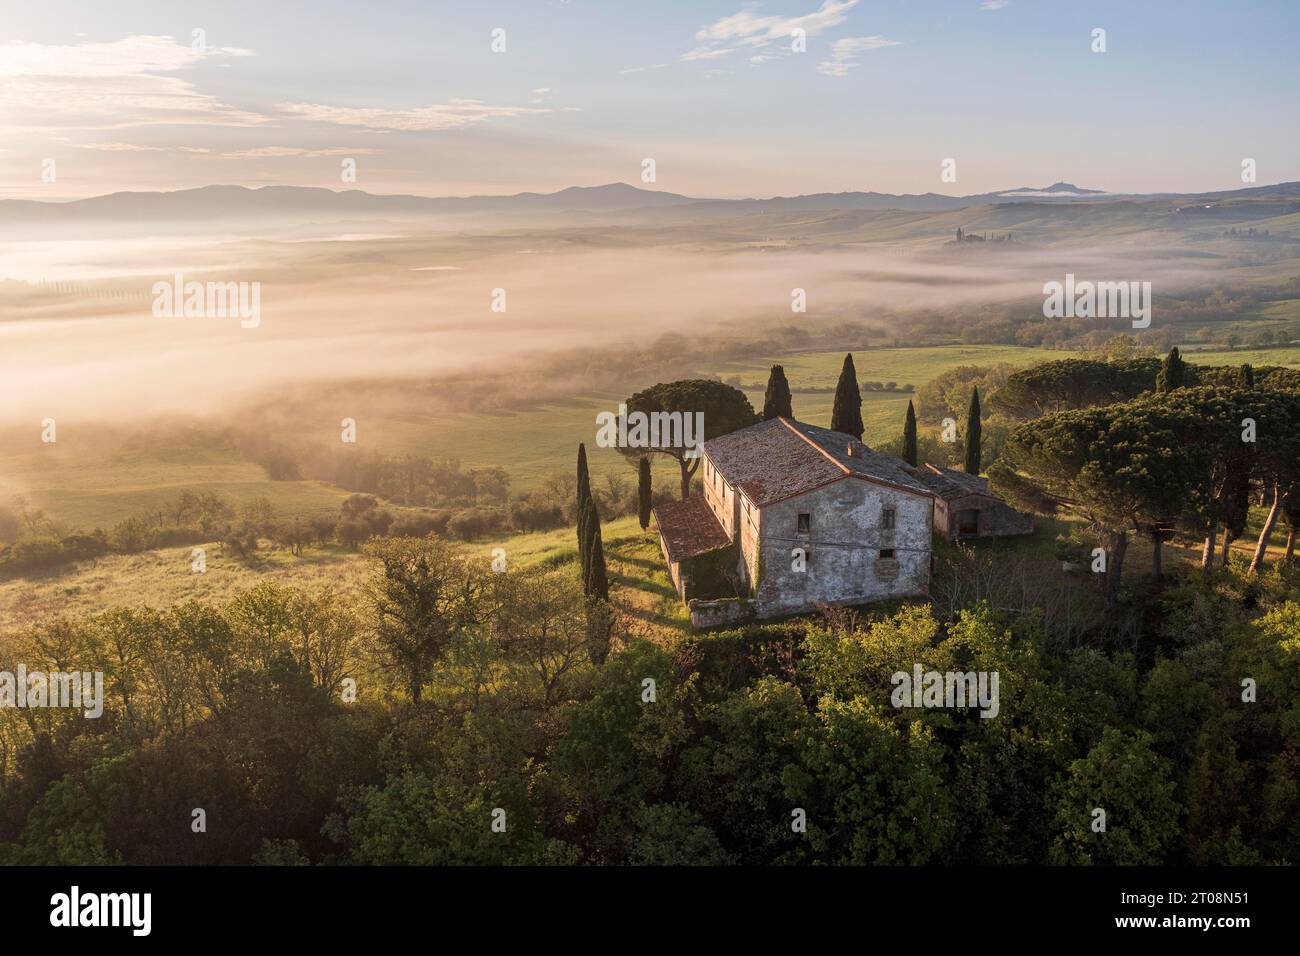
{"x": 594, "y": 574}
{"x": 595, "y": 585}
{"x": 643, "y": 493}
{"x": 1173, "y": 372}
{"x": 1247, "y": 376}
{"x": 584, "y": 496}
{"x": 909, "y": 435}
{"x": 776, "y": 400}
{"x": 585, "y": 529}
{"x": 973, "y": 433}
{"x": 846, "y": 416}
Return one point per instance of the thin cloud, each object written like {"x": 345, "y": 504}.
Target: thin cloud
{"x": 129, "y": 56}
{"x": 748, "y": 30}
{"x": 275, "y": 152}
{"x": 845, "y": 51}
{"x": 454, "y": 114}
{"x": 994, "y": 4}
{"x": 112, "y": 147}
{"x": 114, "y": 85}
{"x": 121, "y": 147}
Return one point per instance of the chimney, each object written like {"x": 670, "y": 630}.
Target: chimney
{"x": 853, "y": 450}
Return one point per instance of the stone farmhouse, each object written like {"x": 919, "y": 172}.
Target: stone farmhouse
{"x": 794, "y": 517}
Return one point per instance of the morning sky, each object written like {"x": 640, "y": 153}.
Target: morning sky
{"x": 123, "y": 95}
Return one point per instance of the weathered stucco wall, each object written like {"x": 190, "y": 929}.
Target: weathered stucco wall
{"x": 842, "y": 547}
{"x": 674, "y": 571}
{"x": 996, "y": 518}
{"x": 720, "y": 496}
{"x": 941, "y": 518}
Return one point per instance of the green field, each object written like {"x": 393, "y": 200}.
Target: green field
{"x": 97, "y": 489}
{"x": 534, "y": 443}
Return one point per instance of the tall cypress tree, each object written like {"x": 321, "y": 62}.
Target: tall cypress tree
{"x": 584, "y": 496}
{"x": 586, "y": 529}
{"x": 846, "y": 416}
{"x": 596, "y": 581}
{"x": 644, "y": 493}
{"x": 973, "y": 433}
{"x": 1173, "y": 372}
{"x": 909, "y": 435}
{"x": 776, "y": 400}
{"x": 595, "y": 585}
{"x": 1247, "y": 376}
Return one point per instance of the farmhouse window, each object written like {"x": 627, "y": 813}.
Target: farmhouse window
{"x": 887, "y": 519}
{"x": 805, "y": 523}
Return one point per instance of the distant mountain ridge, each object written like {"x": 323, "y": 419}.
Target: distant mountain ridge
{"x": 227, "y": 202}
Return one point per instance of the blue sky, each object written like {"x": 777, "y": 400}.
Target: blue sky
{"x": 119, "y": 98}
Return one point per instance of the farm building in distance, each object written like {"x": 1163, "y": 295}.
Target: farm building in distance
{"x": 796, "y": 517}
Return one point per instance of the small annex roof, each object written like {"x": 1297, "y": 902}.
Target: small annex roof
{"x": 689, "y": 528}
{"x": 947, "y": 483}
{"x": 781, "y": 457}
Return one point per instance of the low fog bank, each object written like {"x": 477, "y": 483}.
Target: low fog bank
{"x": 79, "y": 338}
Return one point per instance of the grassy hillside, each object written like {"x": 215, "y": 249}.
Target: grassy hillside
{"x": 161, "y": 578}
{"x": 87, "y": 489}
{"x": 638, "y": 577}
{"x": 97, "y": 488}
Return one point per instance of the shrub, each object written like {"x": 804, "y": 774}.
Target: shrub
{"x": 34, "y": 553}
{"x": 131, "y": 536}
{"x": 352, "y": 533}
{"x": 535, "y": 513}
{"x": 322, "y": 529}
{"x": 419, "y": 525}
{"x": 473, "y": 522}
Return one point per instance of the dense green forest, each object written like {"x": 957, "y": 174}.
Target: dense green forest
{"x": 697, "y": 753}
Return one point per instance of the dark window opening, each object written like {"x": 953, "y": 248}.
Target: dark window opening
{"x": 968, "y": 521}
{"x": 886, "y": 553}
{"x": 805, "y": 523}
{"x": 887, "y": 519}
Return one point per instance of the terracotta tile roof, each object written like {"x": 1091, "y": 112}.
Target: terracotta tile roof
{"x": 948, "y": 484}
{"x": 689, "y": 528}
{"x": 782, "y": 457}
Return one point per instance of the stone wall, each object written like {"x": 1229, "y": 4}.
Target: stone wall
{"x": 843, "y": 545}
{"x": 996, "y": 517}
{"x": 724, "y": 613}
